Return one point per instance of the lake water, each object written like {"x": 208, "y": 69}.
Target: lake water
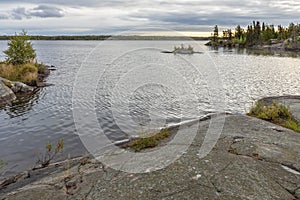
{"x": 137, "y": 88}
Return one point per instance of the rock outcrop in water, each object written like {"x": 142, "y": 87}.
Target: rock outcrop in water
{"x": 9, "y": 89}
{"x": 253, "y": 159}
{"x": 21, "y": 87}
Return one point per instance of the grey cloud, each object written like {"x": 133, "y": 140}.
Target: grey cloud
{"x": 120, "y": 15}
{"x": 86, "y": 3}
{"x": 19, "y": 13}
{"x": 3, "y": 16}
{"x": 41, "y": 11}
{"x": 205, "y": 12}
{"x": 44, "y": 11}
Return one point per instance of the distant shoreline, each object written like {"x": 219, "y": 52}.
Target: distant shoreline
{"x": 108, "y": 37}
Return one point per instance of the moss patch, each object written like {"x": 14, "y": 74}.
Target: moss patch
{"x": 275, "y": 113}
{"x": 138, "y": 144}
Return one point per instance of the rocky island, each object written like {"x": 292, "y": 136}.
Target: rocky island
{"x": 182, "y": 50}
{"x": 260, "y": 36}
{"x": 20, "y": 72}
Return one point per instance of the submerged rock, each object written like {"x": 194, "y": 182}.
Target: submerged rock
{"x": 21, "y": 87}
{"x": 43, "y": 84}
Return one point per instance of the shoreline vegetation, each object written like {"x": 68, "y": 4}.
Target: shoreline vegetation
{"x": 141, "y": 143}
{"x": 276, "y": 113}
{"x": 20, "y": 72}
{"x": 259, "y": 36}
{"x": 107, "y": 37}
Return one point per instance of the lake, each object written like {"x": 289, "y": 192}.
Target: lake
{"x": 138, "y": 88}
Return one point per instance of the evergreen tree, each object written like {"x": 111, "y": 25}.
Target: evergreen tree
{"x": 20, "y": 50}
{"x": 239, "y": 32}
{"x": 216, "y": 33}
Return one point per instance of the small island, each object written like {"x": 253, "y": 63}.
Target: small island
{"x": 259, "y": 36}
{"x": 182, "y": 50}
{"x": 20, "y": 73}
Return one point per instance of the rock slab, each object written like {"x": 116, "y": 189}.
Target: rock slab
{"x": 253, "y": 159}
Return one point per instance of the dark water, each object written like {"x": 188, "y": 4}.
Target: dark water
{"x": 137, "y": 88}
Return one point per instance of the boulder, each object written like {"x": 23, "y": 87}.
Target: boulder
{"x": 21, "y": 87}
{"x": 6, "y": 94}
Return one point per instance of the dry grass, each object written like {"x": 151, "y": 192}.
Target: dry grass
{"x": 9, "y": 72}
{"x": 27, "y": 73}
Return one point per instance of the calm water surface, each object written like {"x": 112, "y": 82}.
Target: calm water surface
{"x": 143, "y": 78}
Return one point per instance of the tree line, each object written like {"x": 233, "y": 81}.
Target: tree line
{"x": 259, "y": 33}
{"x": 60, "y": 37}
{"x": 105, "y": 37}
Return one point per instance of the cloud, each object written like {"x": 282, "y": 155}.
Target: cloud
{"x": 111, "y": 16}
{"x": 41, "y": 11}
{"x": 44, "y": 11}
{"x": 3, "y": 16}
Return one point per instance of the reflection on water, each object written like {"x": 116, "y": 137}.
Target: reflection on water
{"x": 257, "y": 52}
{"x": 277, "y": 53}
{"x": 23, "y": 104}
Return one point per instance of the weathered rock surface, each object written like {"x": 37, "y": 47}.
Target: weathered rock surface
{"x": 9, "y": 88}
{"x": 21, "y": 87}
{"x": 6, "y": 94}
{"x": 253, "y": 159}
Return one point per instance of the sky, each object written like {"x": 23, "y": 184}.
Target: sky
{"x": 144, "y": 17}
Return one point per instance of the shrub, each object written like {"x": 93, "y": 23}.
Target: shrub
{"x": 292, "y": 124}
{"x": 139, "y": 144}
{"x": 50, "y": 153}
{"x": 20, "y": 50}
{"x": 28, "y": 73}
{"x": 275, "y": 113}
{"x": 41, "y": 68}
{"x": 27, "y": 68}
{"x": 29, "y": 79}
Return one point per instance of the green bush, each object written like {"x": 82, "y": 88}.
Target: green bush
{"x": 20, "y": 50}
{"x": 50, "y": 153}
{"x": 139, "y": 144}
{"x": 275, "y": 113}
{"x": 41, "y": 68}
{"x": 27, "y": 68}
{"x": 292, "y": 124}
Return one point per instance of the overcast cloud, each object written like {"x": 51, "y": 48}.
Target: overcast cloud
{"x": 114, "y": 16}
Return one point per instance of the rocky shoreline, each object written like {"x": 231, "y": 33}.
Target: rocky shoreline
{"x": 10, "y": 89}
{"x": 271, "y": 47}
{"x": 253, "y": 159}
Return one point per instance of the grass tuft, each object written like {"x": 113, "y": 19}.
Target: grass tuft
{"x": 138, "y": 144}
{"x": 276, "y": 113}
{"x": 26, "y": 73}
